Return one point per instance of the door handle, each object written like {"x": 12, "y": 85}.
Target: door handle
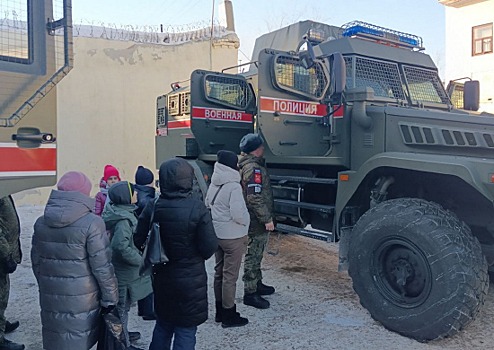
{"x": 28, "y": 137}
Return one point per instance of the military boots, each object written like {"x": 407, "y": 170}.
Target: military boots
{"x": 263, "y": 289}
{"x": 255, "y": 300}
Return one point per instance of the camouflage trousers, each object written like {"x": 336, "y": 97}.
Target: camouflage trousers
{"x": 258, "y": 237}
{"x": 4, "y": 298}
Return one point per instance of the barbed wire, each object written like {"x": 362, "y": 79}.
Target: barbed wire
{"x": 155, "y": 34}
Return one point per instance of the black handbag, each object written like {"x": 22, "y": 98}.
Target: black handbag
{"x": 154, "y": 252}
{"x": 111, "y": 335}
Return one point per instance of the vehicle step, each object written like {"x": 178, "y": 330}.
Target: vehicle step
{"x": 315, "y": 234}
{"x": 304, "y": 205}
{"x": 302, "y": 179}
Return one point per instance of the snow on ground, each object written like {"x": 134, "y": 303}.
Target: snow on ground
{"x": 314, "y": 306}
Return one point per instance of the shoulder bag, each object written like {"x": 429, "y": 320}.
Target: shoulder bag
{"x": 154, "y": 252}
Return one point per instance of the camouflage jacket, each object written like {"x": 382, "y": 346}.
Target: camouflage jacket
{"x": 257, "y": 188}
{"x": 9, "y": 231}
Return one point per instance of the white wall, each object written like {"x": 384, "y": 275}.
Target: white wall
{"x": 459, "y": 60}
{"x": 106, "y": 105}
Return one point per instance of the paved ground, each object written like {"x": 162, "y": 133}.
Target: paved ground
{"x": 314, "y": 307}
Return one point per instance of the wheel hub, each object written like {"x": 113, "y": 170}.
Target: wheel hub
{"x": 402, "y": 272}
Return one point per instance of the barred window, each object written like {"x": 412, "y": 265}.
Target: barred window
{"x": 15, "y": 44}
{"x": 482, "y": 39}
{"x": 228, "y": 91}
{"x": 292, "y": 75}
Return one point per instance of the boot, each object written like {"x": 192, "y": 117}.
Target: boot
{"x": 8, "y": 345}
{"x": 10, "y": 327}
{"x": 219, "y": 311}
{"x": 134, "y": 336}
{"x": 263, "y": 289}
{"x": 255, "y": 300}
{"x": 231, "y": 318}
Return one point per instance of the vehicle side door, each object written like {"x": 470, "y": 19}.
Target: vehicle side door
{"x": 222, "y": 110}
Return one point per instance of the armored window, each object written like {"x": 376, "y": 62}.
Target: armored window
{"x": 291, "y": 74}
{"x": 383, "y": 77}
{"x": 232, "y": 92}
{"x": 455, "y": 92}
{"x": 15, "y": 39}
{"x": 424, "y": 86}
{"x": 482, "y": 39}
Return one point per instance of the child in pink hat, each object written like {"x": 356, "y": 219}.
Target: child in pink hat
{"x": 110, "y": 176}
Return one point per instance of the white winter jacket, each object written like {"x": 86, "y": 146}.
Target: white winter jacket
{"x": 230, "y": 215}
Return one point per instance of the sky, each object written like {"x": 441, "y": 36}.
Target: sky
{"x": 253, "y": 18}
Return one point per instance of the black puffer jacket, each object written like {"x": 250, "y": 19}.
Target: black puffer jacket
{"x": 187, "y": 233}
{"x": 145, "y": 194}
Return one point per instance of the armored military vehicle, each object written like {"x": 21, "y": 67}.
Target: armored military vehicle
{"x": 35, "y": 54}
{"x": 365, "y": 148}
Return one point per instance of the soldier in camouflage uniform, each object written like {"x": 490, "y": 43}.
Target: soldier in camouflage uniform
{"x": 10, "y": 256}
{"x": 259, "y": 199}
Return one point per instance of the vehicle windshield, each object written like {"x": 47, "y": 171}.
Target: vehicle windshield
{"x": 392, "y": 81}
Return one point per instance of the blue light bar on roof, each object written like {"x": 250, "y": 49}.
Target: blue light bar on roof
{"x": 381, "y": 34}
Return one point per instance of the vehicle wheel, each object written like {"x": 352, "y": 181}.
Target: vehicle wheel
{"x": 417, "y": 268}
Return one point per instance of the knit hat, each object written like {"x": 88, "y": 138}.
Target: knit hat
{"x": 228, "y": 158}
{"x": 250, "y": 142}
{"x": 110, "y": 170}
{"x": 74, "y": 181}
{"x": 121, "y": 192}
{"x": 144, "y": 176}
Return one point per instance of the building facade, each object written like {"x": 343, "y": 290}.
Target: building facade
{"x": 469, "y": 45}
{"x": 106, "y": 106}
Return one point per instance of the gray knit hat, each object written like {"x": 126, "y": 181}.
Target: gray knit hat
{"x": 250, "y": 142}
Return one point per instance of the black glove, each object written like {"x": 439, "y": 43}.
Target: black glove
{"x": 107, "y": 309}
{"x": 10, "y": 265}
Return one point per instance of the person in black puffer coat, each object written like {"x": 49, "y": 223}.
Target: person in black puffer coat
{"x": 187, "y": 234}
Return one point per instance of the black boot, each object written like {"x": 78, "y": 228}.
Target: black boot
{"x": 263, "y": 289}
{"x": 255, "y": 300}
{"x": 8, "y": 345}
{"x": 219, "y": 311}
{"x": 134, "y": 336}
{"x": 231, "y": 318}
{"x": 10, "y": 327}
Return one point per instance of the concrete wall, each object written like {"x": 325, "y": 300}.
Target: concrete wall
{"x": 459, "y": 60}
{"x": 106, "y": 105}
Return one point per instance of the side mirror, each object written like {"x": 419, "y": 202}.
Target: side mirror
{"x": 308, "y": 57}
{"x": 337, "y": 67}
{"x": 471, "y": 95}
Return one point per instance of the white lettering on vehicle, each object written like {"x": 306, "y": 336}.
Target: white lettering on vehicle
{"x": 223, "y": 114}
{"x": 295, "y": 107}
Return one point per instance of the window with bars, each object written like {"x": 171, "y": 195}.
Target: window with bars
{"x": 383, "y": 77}
{"x": 15, "y": 39}
{"x": 482, "y": 39}
{"x": 228, "y": 91}
{"x": 425, "y": 86}
{"x": 291, "y": 74}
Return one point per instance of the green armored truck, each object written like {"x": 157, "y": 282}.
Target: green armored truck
{"x": 365, "y": 148}
{"x": 35, "y": 54}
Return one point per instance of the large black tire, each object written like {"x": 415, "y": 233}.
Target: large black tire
{"x": 417, "y": 268}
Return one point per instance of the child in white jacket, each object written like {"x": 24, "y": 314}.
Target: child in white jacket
{"x": 231, "y": 223}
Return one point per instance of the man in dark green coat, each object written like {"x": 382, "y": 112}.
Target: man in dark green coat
{"x": 259, "y": 199}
